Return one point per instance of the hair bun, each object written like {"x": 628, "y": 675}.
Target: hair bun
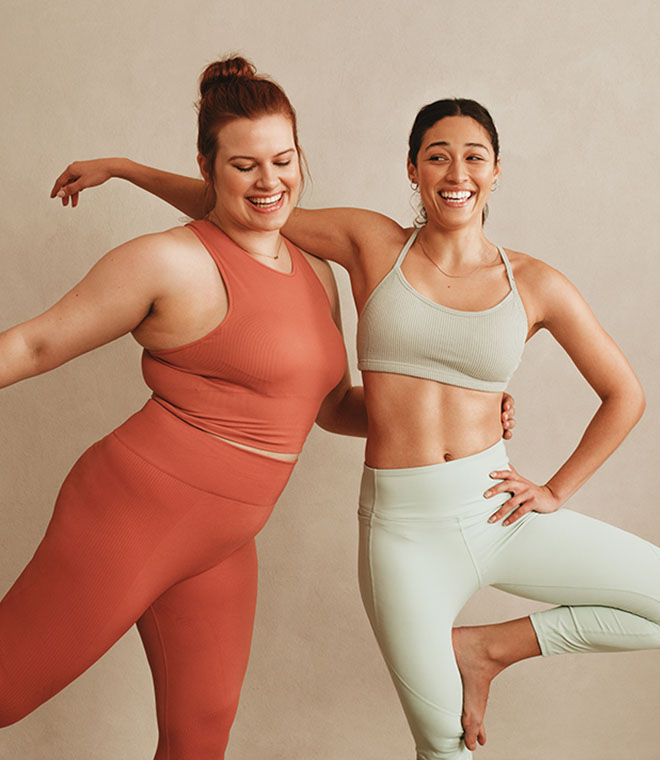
{"x": 220, "y": 72}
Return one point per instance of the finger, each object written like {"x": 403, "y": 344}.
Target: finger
{"x": 506, "y": 508}
{"x": 74, "y": 200}
{"x": 522, "y": 510}
{"x": 64, "y": 177}
{"x": 73, "y": 186}
{"x": 501, "y": 474}
{"x": 506, "y": 486}
{"x": 507, "y": 434}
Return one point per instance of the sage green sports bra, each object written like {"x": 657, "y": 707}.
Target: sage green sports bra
{"x": 402, "y": 331}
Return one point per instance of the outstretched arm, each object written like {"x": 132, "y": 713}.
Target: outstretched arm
{"x": 114, "y": 298}
{"x": 184, "y": 193}
{"x": 336, "y": 234}
{"x": 565, "y": 314}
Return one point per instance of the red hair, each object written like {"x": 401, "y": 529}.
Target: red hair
{"x": 230, "y": 89}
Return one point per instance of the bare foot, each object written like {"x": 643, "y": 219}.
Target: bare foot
{"x": 477, "y": 670}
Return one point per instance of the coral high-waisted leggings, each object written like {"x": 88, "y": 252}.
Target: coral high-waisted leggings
{"x": 426, "y": 546}
{"x": 155, "y": 524}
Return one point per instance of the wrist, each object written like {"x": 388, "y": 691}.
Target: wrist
{"x": 555, "y": 493}
{"x": 122, "y": 168}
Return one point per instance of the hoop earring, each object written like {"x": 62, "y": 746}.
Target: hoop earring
{"x": 414, "y": 186}
{"x": 494, "y": 186}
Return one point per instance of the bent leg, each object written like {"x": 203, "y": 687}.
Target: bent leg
{"x": 89, "y": 580}
{"x": 197, "y": 636}
{"x": 607, "y": 581}
{"x": 122, "y": 533}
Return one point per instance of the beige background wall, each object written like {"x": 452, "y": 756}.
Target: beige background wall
{"x": 573, "y": 90}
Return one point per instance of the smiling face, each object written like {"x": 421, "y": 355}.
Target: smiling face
{"x": 455, "y": 170}
{"x": 256, "y": 175}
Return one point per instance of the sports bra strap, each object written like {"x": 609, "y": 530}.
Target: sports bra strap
{"x": 509, "y": 271}
{"x": 406, "y": 248}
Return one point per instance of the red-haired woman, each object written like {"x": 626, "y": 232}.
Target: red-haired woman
{"x": 444, "y": 315}
{"x": 155, "y": 523}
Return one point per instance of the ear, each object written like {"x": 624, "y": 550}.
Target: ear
{"x": 204, "y": 168}
{"x": 412, "y": 171}
{"x": 498, "y": 168}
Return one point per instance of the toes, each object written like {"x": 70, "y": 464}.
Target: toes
{"x": 481, "y": 736}
{"x": 473, "y": 732}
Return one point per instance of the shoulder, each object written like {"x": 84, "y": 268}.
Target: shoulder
{"x": 535, "y": 274}
{"x": 546, "y": 292}
{"x": 168, "y": 258}
{"x": 323, "y": 271}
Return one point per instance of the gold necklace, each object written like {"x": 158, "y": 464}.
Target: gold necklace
{"x": 251, "y": 253}
{"x": 440, "y": 269}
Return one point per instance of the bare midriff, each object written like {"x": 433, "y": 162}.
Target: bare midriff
{"x": 415, "y": 422}
{"x": 281, "y": 456}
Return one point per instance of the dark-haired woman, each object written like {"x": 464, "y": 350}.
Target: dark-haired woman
{"x": 444, "y": 315}
{"x": 155, "y": 524}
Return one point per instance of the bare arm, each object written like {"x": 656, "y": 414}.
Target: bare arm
{"x": 184, "y": 193}
{"x": 343, "y": 410}
{"x": 336, "y": 234}
{"x": 566, "y": 315}
{"x": 113, "y": 299}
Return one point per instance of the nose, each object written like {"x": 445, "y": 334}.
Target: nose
{"x": 267, "y": 179}
{"x": 457, "y": 171}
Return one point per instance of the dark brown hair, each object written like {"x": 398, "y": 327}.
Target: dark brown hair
{"x": 231, "y": 89}
{"x": 433, "y": 112}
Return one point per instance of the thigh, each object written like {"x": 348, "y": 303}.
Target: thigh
{"x": 571, "y": 559}
{"x": 197, "y": 636}
{"x": 414, "y": 579}
{"x": 121, "y": 533}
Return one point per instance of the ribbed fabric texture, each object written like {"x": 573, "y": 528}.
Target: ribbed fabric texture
{"x": 259, "y": 378}
{"x": 155, "y": 524}
{"x": 403, "y": 332}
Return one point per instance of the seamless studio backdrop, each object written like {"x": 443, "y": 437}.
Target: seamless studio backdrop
{"x": 573, "y": 90}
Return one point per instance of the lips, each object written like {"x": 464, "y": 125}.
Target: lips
{"x": 456, "y": 195}
{"x": 267, "y": 202}
{"x": 456, "y": 198}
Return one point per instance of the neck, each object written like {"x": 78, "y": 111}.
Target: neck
{"x": 266, "y": 243}
{"x": 467, "y": 245}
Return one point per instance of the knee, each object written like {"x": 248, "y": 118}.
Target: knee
{"x": 203, "y": 735}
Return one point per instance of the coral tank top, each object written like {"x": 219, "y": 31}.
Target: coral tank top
{"x": 260, "y": 376}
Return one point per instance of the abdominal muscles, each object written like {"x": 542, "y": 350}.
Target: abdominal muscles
{"x": 415, "y": 422}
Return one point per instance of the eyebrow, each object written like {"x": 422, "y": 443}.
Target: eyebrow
{"x": 251, "y": 158}
{"x": 444, "y": 143}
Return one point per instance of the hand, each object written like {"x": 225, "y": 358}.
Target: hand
{"x": 526, "y": 497}
{"x": 80, "y": 175}
{"x": 508, "y": 416}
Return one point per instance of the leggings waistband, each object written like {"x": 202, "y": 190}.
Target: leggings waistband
{"x": 200, "y": 459}
{"x": 448, "y": 489}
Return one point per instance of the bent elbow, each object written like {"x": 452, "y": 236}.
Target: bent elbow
{"x": 639, "y": 404}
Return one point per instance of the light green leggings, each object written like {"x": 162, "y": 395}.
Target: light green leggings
{"x": 426, "y": 546}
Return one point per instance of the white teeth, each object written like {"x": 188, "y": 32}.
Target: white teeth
{"x": 460, "y": 195}
{"x": 269, "y": 201}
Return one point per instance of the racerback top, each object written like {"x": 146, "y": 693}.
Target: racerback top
{"x": 402, "y": 331}
{"x": 260, "y": 376}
